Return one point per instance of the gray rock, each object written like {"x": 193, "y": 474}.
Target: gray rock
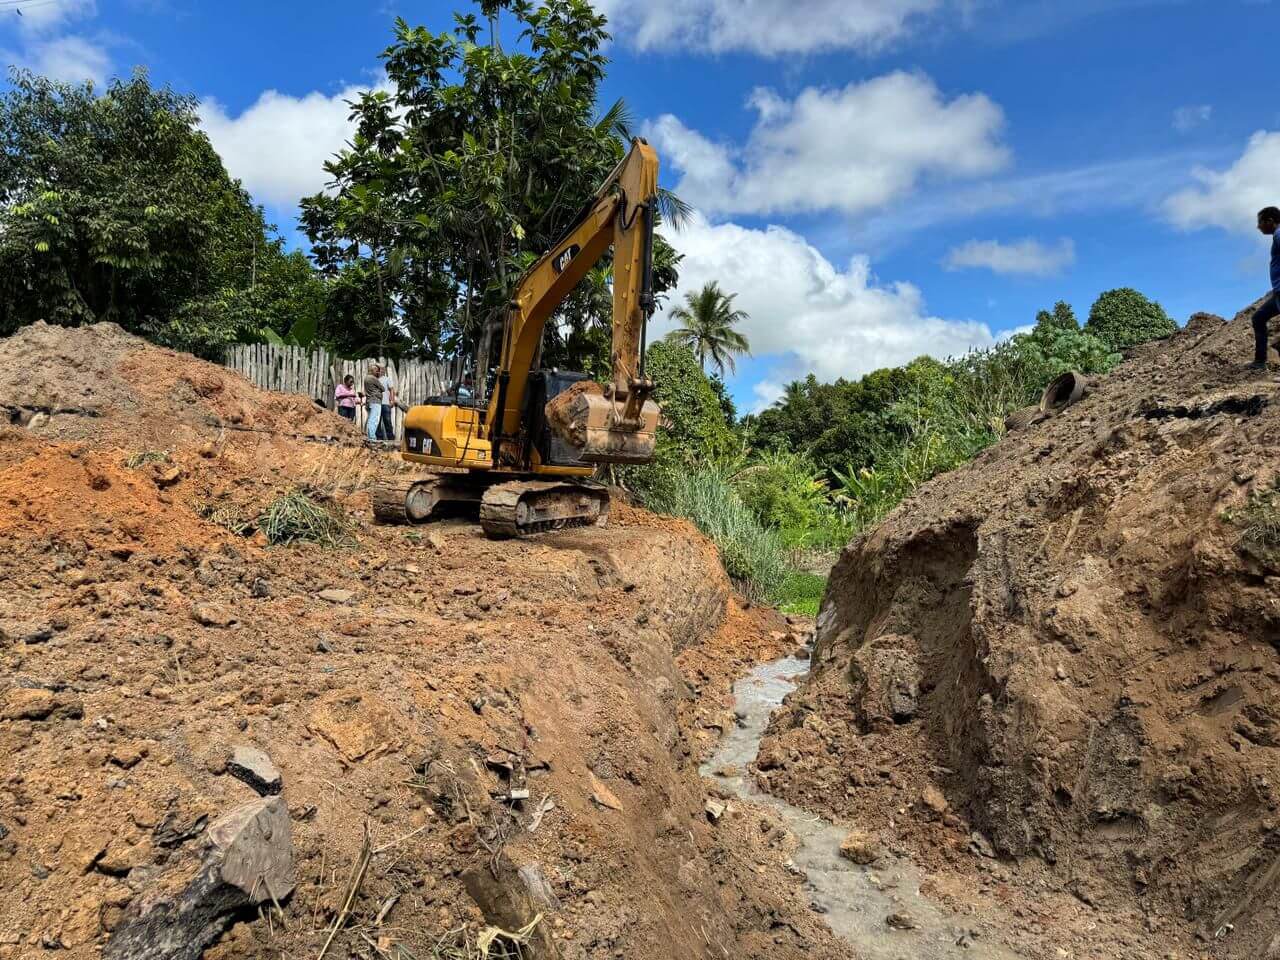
{"x": 336, "y": 596}
{"x": 247, "y": 861}
{"x": 255, "y": 768}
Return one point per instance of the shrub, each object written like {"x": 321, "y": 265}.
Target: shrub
{"x": 752, "y": 555}
{"x": 694, "y": 423}
{"x": 1260, "y": 522}
{"x": 1124, "y": 318}
{"x": 801, "y": 593}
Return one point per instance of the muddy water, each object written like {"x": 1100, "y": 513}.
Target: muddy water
{"x": 854, "y": 900}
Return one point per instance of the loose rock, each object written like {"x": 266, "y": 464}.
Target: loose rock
{"x": 254, "y": 767}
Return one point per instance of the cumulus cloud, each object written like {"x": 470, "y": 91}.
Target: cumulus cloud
{"x": 806, "y": 313}
{"x": 72, "y": 59}
{"x": 278, "y": 145}
{"x": 1028, "y": 257}
{"x": 852, "y": 149}
{"x": 1232, "y": 197}
{"x": 43, "y": 18}
{"x": 1186, "y": 119}
{"x": 766, "y": 27}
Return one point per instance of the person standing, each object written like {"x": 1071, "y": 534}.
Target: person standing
{"x": 345, "y": 397}
{"x": 387, "y": 431}
{"x": 1268, "y": 225}
{"x": 373, "y": 401}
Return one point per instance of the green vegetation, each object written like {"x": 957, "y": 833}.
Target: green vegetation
{"x": 296, "y": 518}
{"x": 116, "y": 207}
{"x": 1125, "y": 318}
{"x": 708, "y": 319}
{"x": 801, "y": 593}
{"x": 289, "y": 519}
{"x": 829, "y": 460}
{"x": 142, "y": 458}
{"x": 466, "y": 170}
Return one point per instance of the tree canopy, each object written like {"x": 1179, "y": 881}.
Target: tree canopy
{"x": 116, "y": 207}
{"x": 1125, "y": 318}
{"x": 473, "y": 164}
{"x": 708, "y": 320}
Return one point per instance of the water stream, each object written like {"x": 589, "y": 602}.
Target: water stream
{"x": 855, "y": 900}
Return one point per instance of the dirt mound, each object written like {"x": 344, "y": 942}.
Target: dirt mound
{"x": 514, "y": 726}
{"x": 102, "y": 384}
{"x": 1071, "y": 640}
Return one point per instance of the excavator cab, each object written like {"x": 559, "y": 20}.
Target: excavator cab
{"x": 528, "y": 455}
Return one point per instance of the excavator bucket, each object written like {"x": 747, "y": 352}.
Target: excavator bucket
{"x": 603, "y": 429}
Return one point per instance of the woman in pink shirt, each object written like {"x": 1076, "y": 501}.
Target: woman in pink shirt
{"x": 346, "y": 396}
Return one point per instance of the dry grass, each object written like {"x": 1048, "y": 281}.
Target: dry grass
{"x": 1260, "y": 522}
{"x": 296, "y": 518}
{"x": 144, "y": 457}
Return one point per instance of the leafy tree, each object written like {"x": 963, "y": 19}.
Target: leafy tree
{"x": 116, "y": 207}
{"x": 694, "y": 423}
{"x": 1124, "y": 318}
{"x": 708, "y": 319}
{"x": 472, "y": 165}
{"x": 1062, "y": 317}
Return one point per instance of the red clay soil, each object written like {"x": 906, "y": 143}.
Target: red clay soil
{"x": 141, "y": 643}
{"x": 1052, "y": 676}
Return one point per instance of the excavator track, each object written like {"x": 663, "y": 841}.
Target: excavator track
{"x": 405, "y": 501}
{"x": 529, "y": 507}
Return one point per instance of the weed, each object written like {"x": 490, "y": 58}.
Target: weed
{"x": 296, "y": 518}
{"x": 1259, "y": 521}
{"x": 801, "y": 593}
{"x": 147, "y": 456}
{"x": 229, "y": 517}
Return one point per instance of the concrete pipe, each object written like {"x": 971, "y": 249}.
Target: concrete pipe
{"x": 1063, "y": 392}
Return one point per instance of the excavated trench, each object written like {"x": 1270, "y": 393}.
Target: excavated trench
{"x": 867, "y": 906}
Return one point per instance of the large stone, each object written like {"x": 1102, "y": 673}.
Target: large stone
{"x": 212, "y": 615}
{"x": 886, "y": 681}
{"x": 861, "y": 848}
{"x": 256, "y": 769}
{"x": 247, "y": 861}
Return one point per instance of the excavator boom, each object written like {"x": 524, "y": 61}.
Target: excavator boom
{"x": 605, "y": 423}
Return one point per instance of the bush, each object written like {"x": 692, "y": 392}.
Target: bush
{"x": 752, "y": 555}
{"x": 1061, "y": 317}
{"x": 296, "y": 518}
{"x": 694, "y": 423}
{"x": 1124, "y": 318}
{"x": 801, "y": 593}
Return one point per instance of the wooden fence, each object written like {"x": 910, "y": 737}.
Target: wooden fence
{"x": 317, "y": 372}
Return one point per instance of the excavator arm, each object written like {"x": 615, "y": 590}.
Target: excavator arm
{"x": 606, "y": 423}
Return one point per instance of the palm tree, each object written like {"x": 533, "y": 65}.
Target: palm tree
{"x": 708, "y": 327}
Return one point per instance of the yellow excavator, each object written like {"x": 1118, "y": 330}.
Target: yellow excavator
{"x": 528, "y": 456}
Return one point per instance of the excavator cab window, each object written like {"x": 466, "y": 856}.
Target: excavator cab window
{"x": 543, "y": 385}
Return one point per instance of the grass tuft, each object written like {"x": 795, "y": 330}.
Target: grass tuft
{"x": 1260, "y": 522}
{"x": 144, "y": 457}
{"x": 228, "y": 517}
{"x": 296, "y": 518}
{"x": 801, "y": 593}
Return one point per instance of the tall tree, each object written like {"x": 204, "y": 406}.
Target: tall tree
{"x": 709, "y": 319}
{"x": 116, "y": 207}
{"x": 472, "y": 165}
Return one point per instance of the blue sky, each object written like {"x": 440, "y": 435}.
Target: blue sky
{"x": 875, "y": 178}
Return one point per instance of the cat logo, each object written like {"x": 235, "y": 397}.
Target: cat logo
{"x": 562, "y": 260}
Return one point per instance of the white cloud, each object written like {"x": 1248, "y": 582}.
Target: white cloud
{"x": 69, "y": 58}
{"x": 278, "y": 146}
{"x": 1231, "y": 198}
{"x": 852, "y": 149}
{"x": 1029, "y": 257}
{"x": 40, "y": 18}
{"x": 807, "y": 313}
{"x": 1186, "y": 119}
{"x": 767, "y": 27}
